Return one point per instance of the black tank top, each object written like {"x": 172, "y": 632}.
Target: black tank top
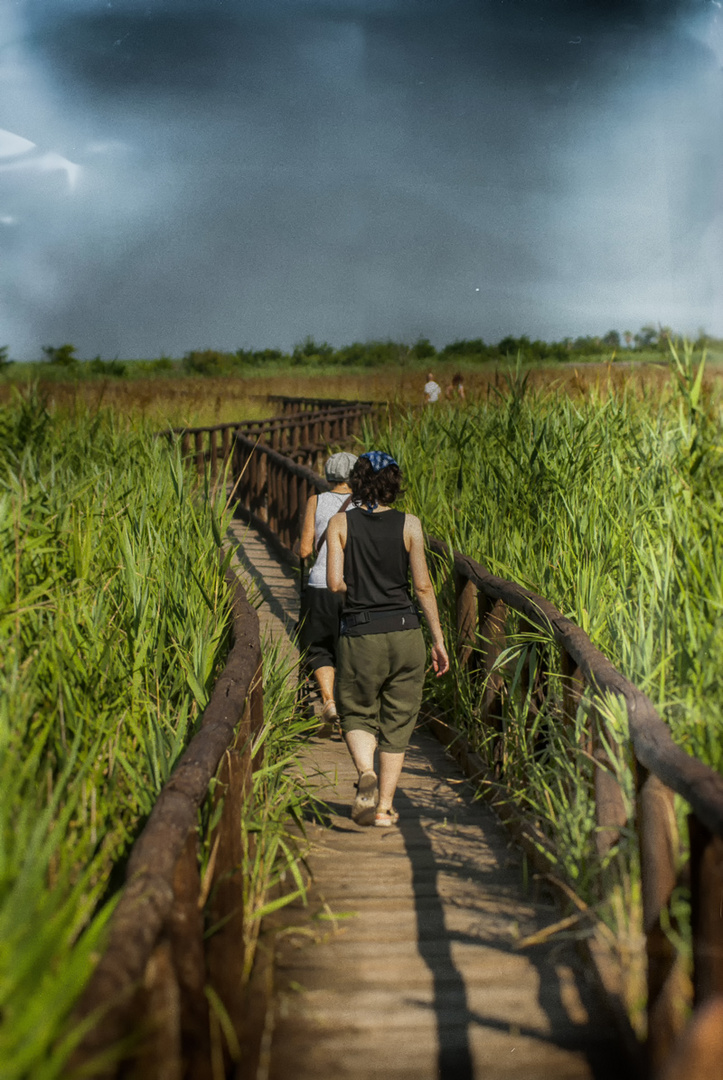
{"x": 376, "y": 563}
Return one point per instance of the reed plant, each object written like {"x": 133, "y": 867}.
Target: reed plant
{"x": 113, "y": 625}
{"x": 611, "y": 507}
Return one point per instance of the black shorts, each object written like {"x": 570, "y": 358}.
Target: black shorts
{"x": 319, "y": 631}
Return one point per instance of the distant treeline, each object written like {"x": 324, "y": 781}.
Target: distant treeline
{"x": 310, "y": 353}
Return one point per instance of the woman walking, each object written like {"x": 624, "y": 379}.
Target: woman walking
{"x": 321, "y": 609}
{"x": 381, "y": 654}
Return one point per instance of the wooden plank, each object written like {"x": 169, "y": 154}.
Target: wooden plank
{"x": 407, "y": 955}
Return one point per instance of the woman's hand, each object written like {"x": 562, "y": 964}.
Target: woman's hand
{"x": 440, "y": 660}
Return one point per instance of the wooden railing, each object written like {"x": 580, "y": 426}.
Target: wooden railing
{"x": 482, "y": 605}
{"x": 304, "y": 435}
{"x": 272, "y": 490}
{"x": 299, "y": 404}
{"x": 154, "y": 975}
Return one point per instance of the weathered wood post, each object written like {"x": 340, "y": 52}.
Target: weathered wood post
{"x": 573, "y": 687}
{"x": 492, "y": 620}
{"x": 535, "y": 677}
{"x": 294, "y": 530}
{"x": 262, "y": 485}
{"x": 161, "y": 1057}
{"x": 226, "y": 444}
{"x": 706, "y": 886}
{"x": 284, "y": 520}
{"x": 198, "y": 439}
{"x": 611, "y": 813}
{"x": 466, "y": 606}
{"x": 658, "y": 836}
{"x": 273, "y": 483}
{"x": 214, "y": 454}
{"x": 226, "y": 946}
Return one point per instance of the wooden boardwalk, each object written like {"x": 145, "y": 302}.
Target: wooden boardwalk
{"x": 410, "y": 962}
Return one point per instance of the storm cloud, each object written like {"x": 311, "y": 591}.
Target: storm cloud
{"x": 247, "y": 173}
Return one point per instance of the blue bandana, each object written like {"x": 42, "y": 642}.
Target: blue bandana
{"x": 378, "y": 459}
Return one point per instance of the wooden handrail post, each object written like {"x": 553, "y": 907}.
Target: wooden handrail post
{"x": 284, "y": 519}
{"x": 611, "y": 813}
{"x": 658, "y": 836}
{"x": 256, "y": 714}
{"x": 573, "y": 687}
{"x": 161, "y": 1057}
{"x": 535, "y": 680}
{"x": 294, "y": 530}
{"x": 226, "y": 947}
{"x": 184, "y": 931}
{"x": 492, "y": 618}
{"x": 214, "y": 455}
{"x": 200, "y": 456}
{"x": 225, "y": 444}
{"x": 466, "y": 604}
{"x": 706, "y": 886}
{"x": 262, "y": 486}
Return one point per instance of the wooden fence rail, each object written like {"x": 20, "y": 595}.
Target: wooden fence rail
{"x": 303, "y": 435}
{"x": 299, "y": 404}
{"x": 272, "y": 490}
{"x": 154, "y": 974}
{"x": 661, "y": 769}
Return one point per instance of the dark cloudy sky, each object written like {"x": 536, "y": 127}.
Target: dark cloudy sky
{"x": 180, "y": 174}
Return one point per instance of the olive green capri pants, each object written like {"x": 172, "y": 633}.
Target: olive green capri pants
{"x": 379, "y": 679}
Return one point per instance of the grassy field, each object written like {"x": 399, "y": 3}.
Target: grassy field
{"x": 178, "y": 399}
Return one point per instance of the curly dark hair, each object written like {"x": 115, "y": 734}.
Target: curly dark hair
{"x": 371, "y": 487}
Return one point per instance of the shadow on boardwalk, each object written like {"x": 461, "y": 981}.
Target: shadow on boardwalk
{"x": 420, "y": 976}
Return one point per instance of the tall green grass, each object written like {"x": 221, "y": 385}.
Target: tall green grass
{"x": 611, "y": 507}
{"x": 113, "y": 624}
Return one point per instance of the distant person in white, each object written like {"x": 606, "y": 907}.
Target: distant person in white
{"x": 432, "y": 390}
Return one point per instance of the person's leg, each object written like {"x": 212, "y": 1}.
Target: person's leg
{"x": 362, "y": 745}
{"x": 325, "y": 678}
{"x": 390, "y": 769}
{"x": 400, "y": 700}
{"x": 361, "y": 669}
{"x": 319, "y": 637}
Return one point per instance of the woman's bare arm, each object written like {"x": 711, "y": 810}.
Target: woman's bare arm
{"x": 306, "y": 542}
{"x": 335, "y": 544}
{"x": 424, "y": 590}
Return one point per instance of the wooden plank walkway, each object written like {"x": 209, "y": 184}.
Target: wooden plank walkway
{"x": 406, "y": 963}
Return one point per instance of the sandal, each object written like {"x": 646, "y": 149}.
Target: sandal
{"x": 384, "y": 818}
{"x": 362, "y": 812}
